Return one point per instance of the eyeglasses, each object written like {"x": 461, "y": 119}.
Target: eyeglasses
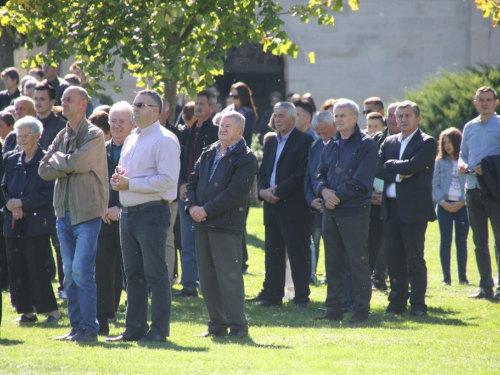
{"x": 140, "y": 105}
{"x": 234, "y": 96}
{"x": 20, "y": 136}
{"x": 365, "y": 112}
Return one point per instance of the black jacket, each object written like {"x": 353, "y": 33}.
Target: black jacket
{"x": 351, "y": 175}
{"x": 315, "y": 151}
{"x": 225, "y": 196}
{"x": 22, "y": 181}
{"x": 489, "y": 181}
{"x": 52, "y": 125}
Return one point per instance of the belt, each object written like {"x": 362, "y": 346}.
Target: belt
{"x": 391, "y": 200}
{"x": 143, "y": 206}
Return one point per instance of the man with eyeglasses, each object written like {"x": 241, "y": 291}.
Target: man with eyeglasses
{"x": 373, "y": 104}
{"x": 146, "y": 178}
{"x": 195, "y": 139}
{"x": 77, "y": 160}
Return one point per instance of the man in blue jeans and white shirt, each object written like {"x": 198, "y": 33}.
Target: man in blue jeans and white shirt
{"x": 147, "y": 182}
{"x": 77, "y": 161}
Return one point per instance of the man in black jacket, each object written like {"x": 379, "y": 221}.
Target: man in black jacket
{"x": 202, "y": 134}
{"x": 217, "y": 195}
{"x": 406, "y": 164}
{"x": 45, "y": 97}
{"x": 344, "y": 180}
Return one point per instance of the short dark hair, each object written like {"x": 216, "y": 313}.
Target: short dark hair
{"x": 375, "y": 116}
{"x": 212, "y": 100}
{"x": 7, "y": 118}
{"x": 38, "y": 72}
{"x": 154, "y": 96}
{"x": 188, "y": 111}
{"x": 73, "y": 79}
{"x": 47, "y": 87}
{"x": 376, "y": 101}
{"x": 12, "y": 73}
{"x": 101, "y": 120}
{"x": 305, "y": 105}
{"x": 486, "y": 89}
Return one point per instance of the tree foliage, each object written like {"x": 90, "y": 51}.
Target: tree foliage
{"x": 447, "y": 100}
{"x": 490, "y": 8}
{"x": 177, "y": 43}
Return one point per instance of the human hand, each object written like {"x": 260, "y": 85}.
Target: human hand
{"x": 119, "y": 181}
{"x": 183, "y": 192}
{"x": 14, "y": 203}
{"x": 331, "y": 199}
{"x": 198, "y": 213}
{"x": 268, "y": 195}
{"x": 377, "y": 198}
{"x": 478, "y": 170}
{"x": 17, "y": 213}
{"x": 317, "y": 204}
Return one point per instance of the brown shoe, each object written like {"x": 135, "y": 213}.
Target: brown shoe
{"x": 338, "y": 316}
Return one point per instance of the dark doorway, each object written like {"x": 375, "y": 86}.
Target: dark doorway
{"x": 262, "y": 71}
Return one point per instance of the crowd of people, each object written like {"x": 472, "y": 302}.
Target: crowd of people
{"x": 115, "y": 190}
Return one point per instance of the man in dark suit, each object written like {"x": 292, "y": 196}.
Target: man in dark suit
{"x": 280, "y": 184}
{"x": 202, "y": 134}
{"x": 406, "y": 164}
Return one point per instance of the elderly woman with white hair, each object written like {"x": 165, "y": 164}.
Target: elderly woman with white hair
{"x": 29, "y": 221}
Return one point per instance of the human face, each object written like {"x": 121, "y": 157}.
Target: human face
{"x": 392, "y": 123}
{"x": 303, "y": 118}
{"x": 374, "y": 125}
{"x": 4, "y": 129}
{"x": 24, "y": 108}
{"x": 229, "y": 131}
{"x": 325, "y": 131}
{"x": 236, "y": 98}
{"x": 407, "y": 120}
{"x": 448, "y": 146}
{"x": 79, "y": 74}
{"x": 26, "y": 140}
{"x": 121, "y": 126}
{"x": 274, "y": 100}
{"x": 43, "y": 104}
{"x": 9, "y": 83}
{"x": 345, "y": 121}
{"x": 485, "y": 104}
{"x": 202, "y": 110}
{"x": 282, "y": 122}
{"x": 29, "y": 92}
{"x": 50, "y": 72}
{"x": 147, "y": 115}
{"x": 73, "y": 104}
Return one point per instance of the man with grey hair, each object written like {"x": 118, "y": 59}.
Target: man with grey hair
{"x": 406, "y": 165}
{"x": 146, "y": 179}
{"x": 280, "y": 185}
{"x": 217, "y": 195}
{"x": 77, "y": 161}
{"x": 344, "y": 180}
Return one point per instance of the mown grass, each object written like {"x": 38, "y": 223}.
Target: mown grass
{"x": 459, "y": 336}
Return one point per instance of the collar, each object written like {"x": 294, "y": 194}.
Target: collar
{"x": 487, "y": 120}
{"x": 407, "y": 139}
{"x": 285, "y": 138}
{"x": 148, "y": 129}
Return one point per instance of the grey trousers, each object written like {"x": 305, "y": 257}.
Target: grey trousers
{"x": 170, "y": 257}
{"x": 347, "y": 235}
{"x": 219, "y": 257}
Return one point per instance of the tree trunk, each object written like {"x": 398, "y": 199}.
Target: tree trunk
{"x": 7, "y": 46}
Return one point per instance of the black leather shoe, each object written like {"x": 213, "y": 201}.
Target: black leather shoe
{"x": 358, "y": 318}
{"x": 446, "y": 281}
{"x": 24, "y": 319}
{"x": 219, "y": 333}
{"x": 338, "y": 316}
{"x": 124, "y": 337}
{"x": 481, "y": 294}
{"x": 65, "y": 336}
{"x": 464, "y": 282}
{"x": 152, "y": 337}
{"x": 267, "y": 303}
{"x": 83, "y": 335}
{"x": 496, "y": 297}
{"x": 238, "y": 333}
{"x": 379, "y": 284}
{"x": 186, "y": 293}
{"x": 259, "y": 298}
{"x": 418, "y": 313}
{"x": 394, "y": 311}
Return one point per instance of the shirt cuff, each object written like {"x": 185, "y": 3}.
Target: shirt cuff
{"x": 398, "y": 178}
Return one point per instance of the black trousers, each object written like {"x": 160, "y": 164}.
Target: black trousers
{"x": 376, "y": 251}
{"x": 481, "y": 208}
{"x": 109, "y": 283}
{"x": 347, "y": 236}
{"x": 294, "y": 238}
{"x": 30, "y": 279}
{"x": 405, "y": 260}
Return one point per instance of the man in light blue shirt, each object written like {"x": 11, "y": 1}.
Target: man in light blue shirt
{"x": 481, "y": 138}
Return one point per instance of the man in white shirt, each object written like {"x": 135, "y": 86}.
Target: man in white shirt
{"x": 146, "y": 178}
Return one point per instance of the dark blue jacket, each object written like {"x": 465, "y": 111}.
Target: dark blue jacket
{"x": 351, "y": 176}
{"x": 314, "y": 158}
{"x": 225, "y": 196}
{"x": 21, "y": 181}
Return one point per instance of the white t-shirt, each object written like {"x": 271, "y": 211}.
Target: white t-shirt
{"x": 454, "y": 192}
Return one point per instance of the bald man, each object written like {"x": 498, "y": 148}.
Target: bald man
{"x": 23, "y": 106}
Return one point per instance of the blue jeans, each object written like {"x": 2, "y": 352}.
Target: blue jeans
{"x": 446, "y": 220}
{"x": 189, "y": 276}
{"x": 78, "y": 251}
{"x": 143, "y": 236}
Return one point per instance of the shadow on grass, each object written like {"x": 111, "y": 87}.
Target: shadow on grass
{"x": 125, "y": 345}
{"x": 248, "y": 341}
{"x": 7, "y": 342}
{"x": 255, "y": 241}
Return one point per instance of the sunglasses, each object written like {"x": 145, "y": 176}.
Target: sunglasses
{"x": 234, "y": 96}
{"x": 365, "y": 112}
{"x": 140, "y": 105}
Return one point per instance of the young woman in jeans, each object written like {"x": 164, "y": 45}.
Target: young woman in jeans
{"x": 448, "y": 191}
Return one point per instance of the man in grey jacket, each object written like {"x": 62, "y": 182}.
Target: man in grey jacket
{"x": 77, "y": 161}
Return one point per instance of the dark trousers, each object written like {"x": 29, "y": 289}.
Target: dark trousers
{"x": 108, "y": 248}
{"x": 481, "y": 208}
{"x": 4, "y": 268}
{"x": 376, "y": 243}
{"x": 316, "y": 222}
{"x": 143, "y": 237}
{"x": 219, "y": 257}
{"x": 30, "y": 279}
{"x": 405, "y": 260}
{"x": 446, "y": 220}
{"x": 294, "y": 238}
{"x": 347, "y": 235}
{"x": 244, "y": 263}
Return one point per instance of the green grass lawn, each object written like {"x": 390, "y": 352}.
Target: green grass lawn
{"x": 459, "y": 336}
